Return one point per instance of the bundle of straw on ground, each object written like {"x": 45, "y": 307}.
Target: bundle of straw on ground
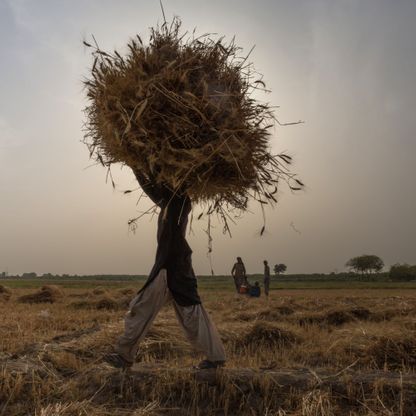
{"x": 182, "y": 113}
{"x": 5, "y": 293}
{"x": 46, "y": 294}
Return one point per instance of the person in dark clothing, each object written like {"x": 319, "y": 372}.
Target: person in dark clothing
{"x": 254, "y": 290}
{"x": 171, "y": 278}
{"x": 266, "y": 278}
{"x": 173, "y": 252}
{"x": 239, "y": 274}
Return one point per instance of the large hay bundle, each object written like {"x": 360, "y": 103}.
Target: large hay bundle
{"x": 181, "y": 112}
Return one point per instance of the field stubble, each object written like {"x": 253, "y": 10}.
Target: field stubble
{"x": 338, "y": 352}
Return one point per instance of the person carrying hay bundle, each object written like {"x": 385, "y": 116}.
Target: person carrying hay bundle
{"x": 171, "y": 278}
{"x": 180, "y": 114}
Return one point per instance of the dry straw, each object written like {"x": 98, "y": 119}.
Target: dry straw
{"x": 5, "y": 293}
{"x": 46, "y": 294}
{"x": 181, "y": 111}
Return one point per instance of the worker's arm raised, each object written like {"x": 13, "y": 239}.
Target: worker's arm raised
{"x": 153, "y": 191}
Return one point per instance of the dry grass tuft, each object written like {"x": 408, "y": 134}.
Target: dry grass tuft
{"x": 4, "y": 289}
{"x": 74, "y": 408}
{"x": 46, "y": 294}
{"x": 335, "y": 317}
{"x": 360, "y": 313}
{"x": 82, "y": 304}
{"x": 262, "y": 333}
{"x": 285, "y": 310}
{"x": 108, "y": 303}
{"x": 393, "y": 354}
{"x": 99, "y": 291}
{"x": 317, "y": 403}
{"x": 5, "y": 293}
{"x": 128, "y": 291}
{"x": 56, "y": 290}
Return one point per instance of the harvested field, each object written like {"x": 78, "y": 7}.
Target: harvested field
{"x": 299, "y": 353}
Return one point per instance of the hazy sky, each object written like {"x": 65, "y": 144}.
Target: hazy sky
{"x": 346, "y": 67}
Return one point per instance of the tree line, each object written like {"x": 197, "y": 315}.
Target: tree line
{"x": 369, "y": 264}
{"x": 366, "y": 265}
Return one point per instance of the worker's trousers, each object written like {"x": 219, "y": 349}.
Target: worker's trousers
{"x": 266, "y": 286}
{"x": 194, "y": 320}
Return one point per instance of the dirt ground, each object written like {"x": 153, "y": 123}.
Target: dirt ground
{"x": 300, "y": 352}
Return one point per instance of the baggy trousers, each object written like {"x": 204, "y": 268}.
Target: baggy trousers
{"x": 195, "y": 321}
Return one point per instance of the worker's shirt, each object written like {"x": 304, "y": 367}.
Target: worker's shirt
{"x": 239, "y": 270}
{"x": 173, "y": 251}
{"x": 266, "y": 272}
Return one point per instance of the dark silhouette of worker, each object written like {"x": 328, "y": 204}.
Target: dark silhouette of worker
{"x": 172, "y": 278}
{"x": 239, "y": 274}
{"x": 266, "y": 278}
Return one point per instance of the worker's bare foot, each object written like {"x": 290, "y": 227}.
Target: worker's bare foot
{"x": 117, "y": 361}
{"x": 207, "y": 364}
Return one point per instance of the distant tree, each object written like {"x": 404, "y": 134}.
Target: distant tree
{"x": 402, "y": 272}
{"x": 365, "y": 264}
{"x": 31, "y": 275}
{"x": 279, "y": 268}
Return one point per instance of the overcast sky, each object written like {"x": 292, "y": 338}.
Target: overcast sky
{"x": 346, "y": 67}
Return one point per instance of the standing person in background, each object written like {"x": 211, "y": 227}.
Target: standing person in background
{"x": 239, "y": 274}
{"x": 266, "y": 278}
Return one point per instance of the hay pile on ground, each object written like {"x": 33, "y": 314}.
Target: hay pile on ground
{"x": 108, "y": 303}
{"x": 46, "y": 294}
{"x": 104, "y": 302}
{"x": 99, "y": 291}
{"x": 267, "y": 334}
{"x": 181, "y": 113}
{"x": 336, "y": 317}
{"x": 390, "y": 353}
{"x": 128, "y": 291}
{"x": 5, "y": 293}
